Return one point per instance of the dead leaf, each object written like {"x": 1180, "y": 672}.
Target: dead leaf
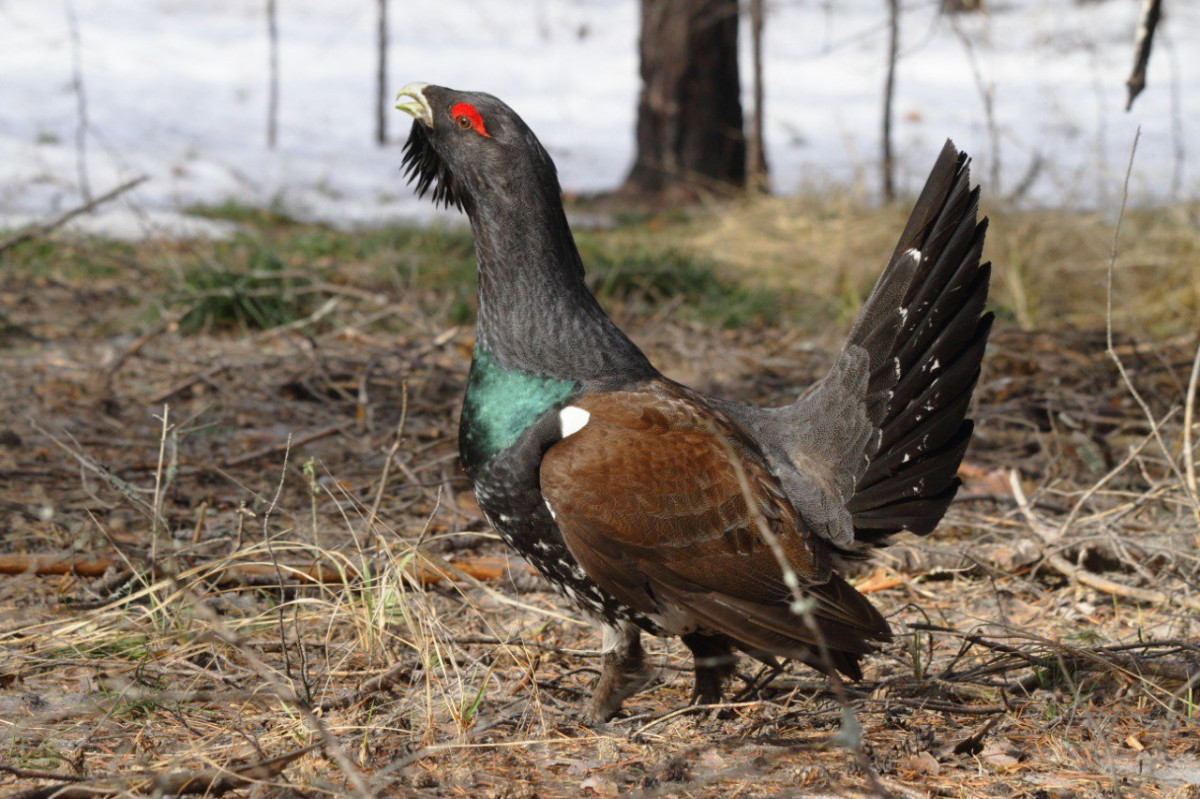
{"x": 468, "y": 506}
{"x": 972, "y": 744}
{"x": 879, "y": 580}
{"x": 1000, "y": 757}
{"x": 1012, "y": 556}
{"x": 598, "y": 786}
{"x": 925, "y": 763}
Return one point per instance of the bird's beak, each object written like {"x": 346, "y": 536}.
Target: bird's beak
{"x": 418, "y": 106}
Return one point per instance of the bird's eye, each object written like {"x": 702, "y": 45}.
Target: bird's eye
{"x": 467, "y": 117}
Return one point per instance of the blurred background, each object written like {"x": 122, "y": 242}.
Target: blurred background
{"x": 277, "y": 103}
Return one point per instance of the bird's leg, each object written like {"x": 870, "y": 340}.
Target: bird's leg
{"x": 715, "y": 661}
{"x": 623, "y": 670}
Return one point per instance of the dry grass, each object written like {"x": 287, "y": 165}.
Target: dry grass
{"x": 1050, "y": 265}
{"x": 327, "y": 446}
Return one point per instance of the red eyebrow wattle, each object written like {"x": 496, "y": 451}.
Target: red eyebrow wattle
{"x": 467, "y": 110}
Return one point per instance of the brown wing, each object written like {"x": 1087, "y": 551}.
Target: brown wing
{"x": 661, "y": 500}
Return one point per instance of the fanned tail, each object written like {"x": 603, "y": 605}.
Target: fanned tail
{"x": 924, "y": 379}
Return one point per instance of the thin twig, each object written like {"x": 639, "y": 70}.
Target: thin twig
{"x": 1108, "y": 331}
{"x": 81, "y": 110}
{"x": 207, "y": 781}
{"x": 1082, "y": 576}
{"x": 46, "y": 227}
{"x": 156, "y": 531}
{"x": 1189, "y": 422}
{"x": 383, "y": 477}
{"x": 275, "y": 449}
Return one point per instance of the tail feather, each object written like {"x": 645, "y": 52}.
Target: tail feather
{"x": 931, "y": 366}
{"x": 943, "y": 187}
{"x": 935, "y": 362}
{"x": 930, "y": 475}
{"x": 938, "y": 395}
{"x": 924, "y": 438}
{"x": 948, "y": 284}
{"x": 920, "y": 516}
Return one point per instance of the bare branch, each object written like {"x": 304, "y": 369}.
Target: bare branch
{"x": 1147, "y": 22}
{"x": 46, "y": 227}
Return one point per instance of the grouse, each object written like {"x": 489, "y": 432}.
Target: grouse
{"x": 654, "y": 507}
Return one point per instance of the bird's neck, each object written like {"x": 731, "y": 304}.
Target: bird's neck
{"x": 536, "y": 314}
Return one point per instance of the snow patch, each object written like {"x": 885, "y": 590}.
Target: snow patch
{"x": 178, "y": 91}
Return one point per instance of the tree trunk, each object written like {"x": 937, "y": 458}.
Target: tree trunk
{"x": 889, "y": 92}
{"x": 756, "y": 154}
{"x": 689, "y": 126}
{"x": 382, "y": 108}
{"x": 273, "y": 77}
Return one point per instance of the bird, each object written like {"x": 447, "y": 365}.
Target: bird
{"x": 656, "y": 508}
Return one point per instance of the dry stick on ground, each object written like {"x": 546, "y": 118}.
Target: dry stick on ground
{"x": 1119, "y": 659}
{"x": 275, "y": 449}
{"x": 136, "y": 346}
{"x": 482, "y": 568}
{"x": 1189, "y": 422}
{"x": 387, "y": 461}
{"x": 1054, "y": 536}
{"x": 157, "y": 530}
{"x": 377, "y": 684}
{"x": 47, "y": 227}
{"x": 208, "y": 781}
{"x": 1082, "y": 576}
{"x": 127, "y": 490}
{"x": 1048, "y": 535}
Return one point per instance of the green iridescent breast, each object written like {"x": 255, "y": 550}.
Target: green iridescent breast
{"x": 501, "y": 404}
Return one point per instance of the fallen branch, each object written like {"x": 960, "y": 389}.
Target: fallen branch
{"x": 377, "y": 684}
{"x": 1082, "y": 576}
{"x": 275, "y": 449}
{"x": 1142, "y": 660}
{"x": 33, "y": 231}
{"x": 208, "y": 781}
{"x": 483, "y": 568}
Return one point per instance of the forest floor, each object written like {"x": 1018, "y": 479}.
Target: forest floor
{"x": 237, "y": 551}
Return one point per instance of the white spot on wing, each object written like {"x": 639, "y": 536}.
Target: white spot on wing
{"x": 573, "y": 419}
{"x": 552, "y": 516}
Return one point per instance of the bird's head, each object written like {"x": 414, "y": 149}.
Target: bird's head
{"x": 465, "y": 145}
